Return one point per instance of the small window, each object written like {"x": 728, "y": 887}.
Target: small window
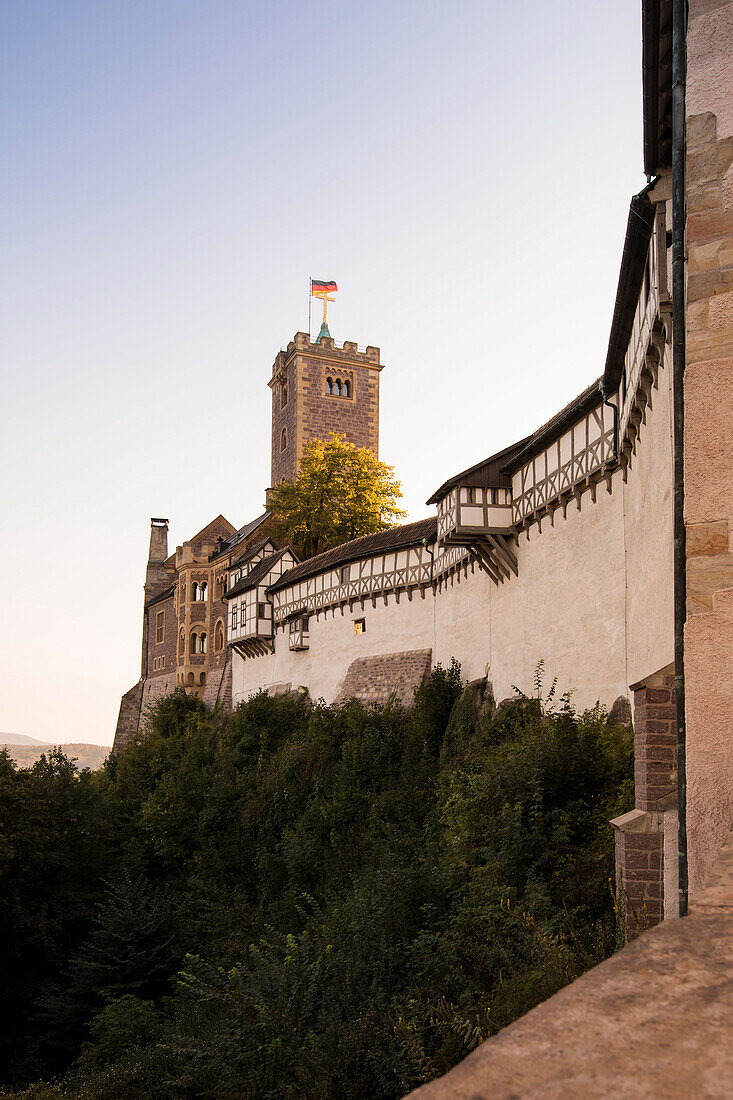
{"x": 283, "y": 394}
{"x": 203, "y": 643}
{"x": 194, "y": 644}
{"x": 242, "y": 616}
{"x": 181, "y": 643}
{"x": 283, "y": 439}
{"x": 203, "y": 589}
{"x": 159, "y": 627}
{"x": 263, "y": 611}
{"x": 345, "y": 573}
{"x": 347, "y": 388}
{"x": 337, "y": 387}
{"x": 234, "y": 618}
{"x": 194, "y": 591}
{"x": 329, "y": 385}
{"x": 219, "y": 637}
{"x": 359, "y": 626}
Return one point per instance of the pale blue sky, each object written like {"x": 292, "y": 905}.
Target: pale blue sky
{"x": 174, "y": 171}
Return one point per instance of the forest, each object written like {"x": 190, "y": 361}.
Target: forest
{"x": 299, "y": 900}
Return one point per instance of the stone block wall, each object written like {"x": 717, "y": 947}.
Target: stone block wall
{"x": 708, "y": 444}
{"x": 219, "y": 686}
{"x": 639, "y": 873}
{"x": 655, "y": 741}
{"x": 127, "y": 720}
{"x": 312, "y": 413}
{"x": 377, "y": 679}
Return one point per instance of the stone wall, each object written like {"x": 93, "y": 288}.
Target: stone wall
{"x": 127, "y": 720}
{"x": 390, "y": 675}
{"x": 709, "y": 434}
{"x": 312, "y": 413}
{"x": 655, "y": 740}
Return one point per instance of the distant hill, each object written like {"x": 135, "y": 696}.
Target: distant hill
{"x": 29, "y": 751}
{"x": 19, "y": 739}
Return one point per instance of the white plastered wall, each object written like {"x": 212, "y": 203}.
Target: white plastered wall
{"x": 648, "y": 530}
{"x": 593, "y": 599}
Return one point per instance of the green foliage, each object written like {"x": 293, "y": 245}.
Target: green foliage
{"x": 304, "y": 900}
{"x": 341, "y": 492}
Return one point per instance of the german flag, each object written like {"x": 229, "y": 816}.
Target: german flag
{"x": 319, "y": 286}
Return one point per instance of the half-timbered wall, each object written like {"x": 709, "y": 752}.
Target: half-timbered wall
{"x": 251, "y": 612}
{"x": 653, "y": 298}
{"x": 396, "y": 572}
{"x": 475, "y": 510}
{"x": 564, "y": 466}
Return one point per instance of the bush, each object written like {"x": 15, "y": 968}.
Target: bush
{"x": 363, "y": 893}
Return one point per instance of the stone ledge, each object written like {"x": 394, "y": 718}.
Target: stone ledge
{"x": 654, "y": 1020}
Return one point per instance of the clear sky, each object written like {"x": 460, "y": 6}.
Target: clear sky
{"x": 173, "y": 173}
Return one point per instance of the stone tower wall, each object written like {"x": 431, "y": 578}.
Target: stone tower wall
{"x": 312, "y": 413}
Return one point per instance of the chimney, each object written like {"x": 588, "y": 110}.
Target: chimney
{"x": 156, "y": 577}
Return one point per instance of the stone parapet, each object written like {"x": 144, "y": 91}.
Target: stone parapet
{"x": 389, "y": 675}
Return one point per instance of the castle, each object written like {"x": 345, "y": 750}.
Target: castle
{"x": 569, "y": 546}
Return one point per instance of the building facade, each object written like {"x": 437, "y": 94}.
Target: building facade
{"x": 559, "y": 549}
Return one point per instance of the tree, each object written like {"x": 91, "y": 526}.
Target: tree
{"x": 341, "y": 492}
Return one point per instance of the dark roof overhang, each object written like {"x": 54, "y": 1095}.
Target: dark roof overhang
{"x": 488, "y": 472}
{"x": 636, "y": 245}
{"x": 555, "y": 427}
{"x": 394, "y": 538}
{"x": 255, "y": 575}
{"x": 656, "y": 69}
{"x": 164, "y": 595}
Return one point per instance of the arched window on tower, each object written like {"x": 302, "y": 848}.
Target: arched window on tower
{"x": 194, "y": 644}
{"x": 203, "y": 643}
{"x": 329, "y": 385}
{"x": 194, "y": 591}
{"x": 181, "y": 644}
{"x": 219, "y": 637}
{"x": 337, "y": 387}
{"x": 283, "y": 439}
{"x": 283, "y": 393}
{"x": 347, "y": 388}
{"x": 203, "y": 589}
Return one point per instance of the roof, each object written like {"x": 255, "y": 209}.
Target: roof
{"x": 487, "y": 472}
{"x": 394, "y": 538}
{"x": 256, "y": 549}
{"x": 164, "y": 595}
{"x": 636, "y": 244}
{"x": 656, "y": 72}
{"x": 555, "y": 427}
{"x": 237, "y": 536}
{"x": 255, "y": 575}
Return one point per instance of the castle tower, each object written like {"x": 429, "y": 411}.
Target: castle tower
{"x": 319, "y": 388}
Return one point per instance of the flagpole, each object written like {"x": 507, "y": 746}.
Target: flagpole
{"x": 310, "y": 299}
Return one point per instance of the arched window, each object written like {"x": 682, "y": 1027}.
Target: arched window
{"x": 203, "y": 589}
{"x": 203, "y": 643}
{"x": 202, "y": 679}
{"x": 337, "y": 387}
{"x": 194, "y": 644}
{"x": 190, "y": 679}
{"x": 219, "y": 637}
{"x": 329, "y": 385}
{"x": 283, "y": 439}
{"x": 181, "y": 644}
{"x": 194, "y": 591}
{"x": 347, "y": 388}
{"x": 283, "y": 394}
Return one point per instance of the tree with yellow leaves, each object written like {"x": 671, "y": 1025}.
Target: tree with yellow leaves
{"x": 341, "y": 492}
